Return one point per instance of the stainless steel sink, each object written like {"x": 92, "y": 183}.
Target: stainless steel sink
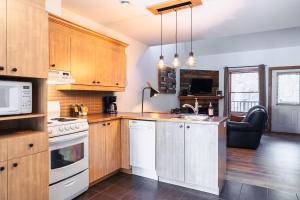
{"x": 192, "y": 117}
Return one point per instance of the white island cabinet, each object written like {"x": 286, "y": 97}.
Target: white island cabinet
{"x": 192, "y": 154}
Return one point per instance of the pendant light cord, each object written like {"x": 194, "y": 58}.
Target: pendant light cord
{"x": 191, "y": 28}
{"x": 161, "y": 34}
{"x": 176, "y": 31}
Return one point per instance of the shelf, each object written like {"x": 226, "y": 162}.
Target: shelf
{"x": 25, "y": 116}
{"x": 200, "y": 97}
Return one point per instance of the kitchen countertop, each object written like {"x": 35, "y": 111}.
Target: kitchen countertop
{"x": 93, "y": 118}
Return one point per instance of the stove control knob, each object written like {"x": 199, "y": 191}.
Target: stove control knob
{"x": 67, "y": 128}
{"x": 77, "y": 126}
{"x": 73, "y": 127}
{"x": 61, "y": 129}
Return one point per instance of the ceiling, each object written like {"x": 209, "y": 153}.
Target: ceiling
{"x": 215, "y": 18}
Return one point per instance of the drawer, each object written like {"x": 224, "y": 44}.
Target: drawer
{"x": 25, "y": 144}
{"x": 3, "y": 149}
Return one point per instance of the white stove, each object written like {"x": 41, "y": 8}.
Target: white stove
{"x": 68, "y": 155}
{"x": 64, "y": 126}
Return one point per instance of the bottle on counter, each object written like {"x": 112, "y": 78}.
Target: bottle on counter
{"x": 210, "y": 110}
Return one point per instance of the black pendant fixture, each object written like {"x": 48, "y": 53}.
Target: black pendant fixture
{"x": 176, "y": 61}
{"x": 161, "y": 63}
{"x": 191, "y": 59}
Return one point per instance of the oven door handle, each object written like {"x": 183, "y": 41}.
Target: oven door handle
{"x": 70, "y": 137}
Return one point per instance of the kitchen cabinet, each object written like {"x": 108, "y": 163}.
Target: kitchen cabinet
{"x": 27, "y": 38}
{"x": 97, "y": 153}
{"x": 113, "y": 146}
{"x": 28, "y": 177}
{"x": 97, "y": 62}
{"x": 125, "y": 146}
{"x": 3, "y": 148}
{"x": 83, "y": 58}
{"x": 3, "y": 37}
{"x": 104, "y": 149}
{"x": 201, "y": 155}
{"x": 59, "y": 47}
{"x": 3, "y": 180}
{"x": 170, "y": 150}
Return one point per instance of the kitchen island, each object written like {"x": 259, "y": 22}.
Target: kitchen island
{"x": 189, "y": 153}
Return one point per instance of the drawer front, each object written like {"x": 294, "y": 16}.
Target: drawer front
{"x": 3, "y": 149}
{"x": 27, "y": 144}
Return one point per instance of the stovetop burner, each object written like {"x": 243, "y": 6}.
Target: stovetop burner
{"x": 62, "y": 119}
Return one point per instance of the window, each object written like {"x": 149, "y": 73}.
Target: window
{"x": 244, "y": 90}
{"x": 288, "y": 88}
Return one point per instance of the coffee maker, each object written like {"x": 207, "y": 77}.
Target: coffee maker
{"x": 110, "y": 105}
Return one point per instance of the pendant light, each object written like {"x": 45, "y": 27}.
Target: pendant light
{"x": 191, "y": 59}
{"x": 161, "y": 63}
{"x": 176, "y": 61}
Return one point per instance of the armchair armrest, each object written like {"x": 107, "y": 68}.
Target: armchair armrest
{"x": 239, "y": 126}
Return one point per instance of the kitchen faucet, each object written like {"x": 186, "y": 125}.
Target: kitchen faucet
{"x": 194, "y": 108}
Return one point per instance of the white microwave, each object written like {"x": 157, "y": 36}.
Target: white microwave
{"x": 15, "y": 97}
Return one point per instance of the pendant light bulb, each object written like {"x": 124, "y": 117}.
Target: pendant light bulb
{"x": 161, "y": 62}
{"x": 191, "y": 60}
{"x": 176, "y": 61}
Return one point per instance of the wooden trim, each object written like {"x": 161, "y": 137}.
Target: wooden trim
{"x": 90, "y": 88}
{"x": 64, "y": 22}
{"x": 270, "y": 83}
{"x": 172, "y": 3}
{"x": 25, "y": 116}
{"x": 200, "y": 97}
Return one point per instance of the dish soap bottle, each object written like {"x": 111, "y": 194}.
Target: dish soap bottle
{"x": 210, "y": 110}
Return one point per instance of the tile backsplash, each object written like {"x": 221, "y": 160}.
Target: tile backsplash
{"x": 93, "y": 100}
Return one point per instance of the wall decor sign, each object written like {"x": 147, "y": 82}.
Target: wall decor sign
{"x": 167, "y": 80}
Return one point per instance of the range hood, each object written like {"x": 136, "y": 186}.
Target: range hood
{"x": 57, "y": 77}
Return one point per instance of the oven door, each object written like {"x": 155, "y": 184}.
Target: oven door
{"x": 68, "y": 156}
{"x": 10, "y": 95}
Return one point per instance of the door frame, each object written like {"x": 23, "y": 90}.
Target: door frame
{"x": 270, "y": 83}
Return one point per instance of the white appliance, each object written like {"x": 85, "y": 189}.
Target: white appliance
{"x": 142, "y": 148}
{"x": 15, "y": 97}
{"x": 58, "y": 77}
{"x": 68, "y": 156}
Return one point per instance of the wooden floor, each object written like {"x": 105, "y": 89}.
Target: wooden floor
{"x": 130, "y": 187}
{"x": 275, "y": 164}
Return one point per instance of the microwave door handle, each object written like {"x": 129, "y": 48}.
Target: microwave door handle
{"x": 65, "y": 138}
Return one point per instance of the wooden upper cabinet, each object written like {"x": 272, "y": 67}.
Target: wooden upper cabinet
{"x": 2, "y": 37}
{"x": 59, "y": 47}
{"x": 3, "y": 180}
{"x": 28, "y": 177}
{"x": 120, "y": 75}
{"x": 27, "y": 38}
{"x": 113, "y": 146}
{"x": 83, "y": 60}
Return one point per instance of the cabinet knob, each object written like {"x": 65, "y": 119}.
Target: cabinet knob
{"x": 2, "y": 169}
{"x": 14, "y": 69}
{"x": 30, "y": 145}
{"x": 53, "y": 65}
{"x": 108, "y": 124}
{"x": 98, "y": 82}
{"x": 188, "y": 127}
{"x": 117, "y": 83}
{"x": 103, "y": 124}
{"x": 180, "y": 126}
{"x": 94, "y": 82}
{"x": 1, "y": 68}
{"x": 15, "y": 165}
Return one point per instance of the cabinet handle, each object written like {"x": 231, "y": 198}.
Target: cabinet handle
{"x": 103, "y": 124}
{"x": 188, "y": 127}
{"x": 98, "y": 82}
{"x": 117, "y": 83}
{"x": 1, "y": 68}
{"x": 15, "y": 165}
{"x": 94, "y": 82}
{"x": 30, "y": 145}
{"x": 14, "y": 69}
{"x": 2, "y": 169}
{"x": 108, "y": 124}
{"x": 53, "y": 65}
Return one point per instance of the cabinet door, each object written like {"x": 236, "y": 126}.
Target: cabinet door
{"x": 113, "y": 146}
{"x": 59, "y": 46}
{"x": 3, "y": 149}
{"x": 170, "y": 150}
{"x": 125, "y": 146}
{"x": 3, "y": 37}
{"x": 97, "y": 156}
{"x": 28, "y": 177}
{"x": 3, "y": 180}
{"x": 27, "y": 38}
{"x": 104, "y": 75}
{"x": 120, "y": 67}
{"x": 83, "y": 58}
{"x": 201, "y": 155}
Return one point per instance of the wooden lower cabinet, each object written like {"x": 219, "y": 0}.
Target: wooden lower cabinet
{"x": 170, "y": 150}
{"x": 104, "y": 149}
{"x": 97, "y": 156}
{"x": 28, "y": 177}
{"x": 3, "y": 180}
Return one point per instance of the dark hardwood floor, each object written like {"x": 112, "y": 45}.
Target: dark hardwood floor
{"x": 275, "y": 164}
{"x": 130, "y": 187}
